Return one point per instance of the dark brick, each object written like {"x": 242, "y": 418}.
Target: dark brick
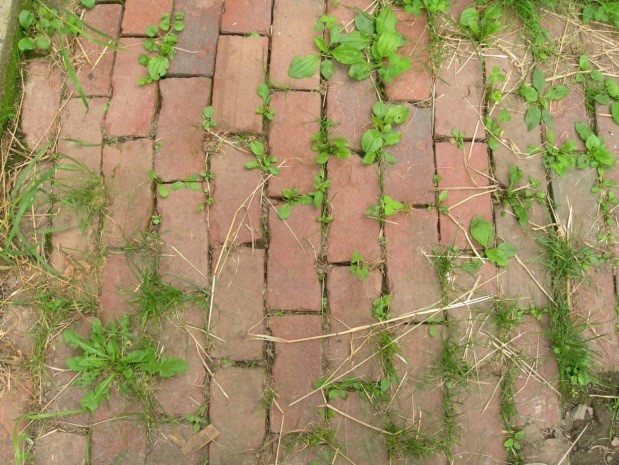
{"x": 61, "y": 448}
{"x": 142, "y": 13}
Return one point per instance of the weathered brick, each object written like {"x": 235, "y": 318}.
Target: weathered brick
{"x": 607, "y": 128}
{"x": 142, "y": 13}
{"x": 95, "y": 75}
{"x": 459, "y": 94}
{"x": 290, "y": 135}
{"x": 184, "y": 228}
{"x": 41, "y": 103}
{"x": 61, "y": 448}
{"x": 235, "y": 213}
{"x": 179, "y": 128}
{"x": 349, "y": 105}
{"x": 291, "y": 275}
{"x": 197, "y": 43}
{"x": 13, "y": 404}
{"x": 296, "y": 366}
{"x": 482, "y": 437}
{"x": 353, "y": 189}
{"x": 240, "y": 418}
{"x": 464, "y": 174}
{"x": 411, "y": 178}
{"x": 364, "y": 446}
{"x": 415, "y": 83}
{"x": 302, "y": 455}
{"x": 345, "y": 10}
{"x": 164, "y": 452}
{"x": 182, "y": 394}
{"x": 413, "y": 283}
{"x": 238, "y": 303}
{"x": 119, "y": 280}
{"x": 350, "y": 305}
{"x": 132, "y": 106}
{"x": 242, "y": 16}
{"x": 129, "y": 189}
{"x": 240, "y": 67}
{"x": 293, "y": 34}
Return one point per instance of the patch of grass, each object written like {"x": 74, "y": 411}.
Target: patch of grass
{"x": 413, "y": 443}
{"x": 520, "y": 199}
{"x": 451, "y": 367}
{"x": 12, "y": 84}
{"x": 318, "y": 436}
{"x": 506, "y": 315}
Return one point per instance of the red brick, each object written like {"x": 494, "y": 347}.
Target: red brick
{"x": 179, "y": 127}
{"x": 240, "y": 418}
{"x": 246, "y": 16}
{"x": 364, "y": 446}
{"x": 238, "y": 304}
{"x": 290, "y": 135}
{"x": 411, "y": 178}
{"x": 482, "y": 437}
{"x": 293, "y": 35}
{"x": 463, "y": 173}
{"x": 296, "y": 367}
{"x": 13, "y": 404}
{"x": 345, "y": 10}
{"x": 41, "y": 102}
{"x": 240, "y": 67}
{"x": 132, "y": 106}
{"x": 354, "y": 188}
{"x": 416, "y": 83}
{"x": 129, "y": 189}
{"x": 349, "y": 105}
{"x": 95, "y": 75}
{"x": 184, "y": 228}
{"x": 164, "y": 452}
{"x": 182, "y": 393}
{"x": 237, "y": 193}
{"x": 459, "y": 93}
{"x": 195, "y": 51}
{"x": 607, "y": 128}
{"x": 291, "y": 274}
{"x": 413, "y": 282}
{"x": 350, "y": 306}
{"x": 119, "y": 281}
{"x": 142, "y": 13}
{"x": 61, "y": 448}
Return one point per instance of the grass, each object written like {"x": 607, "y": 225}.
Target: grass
{"x": 11, "y": 84}
{"x": 407, "y": 442}
{"x": 506, "y": 315}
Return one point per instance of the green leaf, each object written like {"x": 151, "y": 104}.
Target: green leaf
{"x": 327, "y": 69}
{"x": 360, "y": 70}
{"x": 614, "y": 111}
{"x": 557, "y": 92}
{"x": 371, "y": 141}
{"x": 612, "y": 88}
{"x": 533, "y": 117}
{"x": 164, "y": 24}
{"x": 158, "y": 67}
{"x": 26, "y": 43}
{"x": 379, "y": 109}
{"x": 397, "y": 114}
{"x": 263, "y": 91}
{"x": 583, "y": 130}
{"x": 355, "y": 39}
{"x": 495, "y": 255}
{"x": 257, "y": 148}
{"x": 166, "y": 367}
{"x": 392, "y": 137}
{"x": 252, "y": 164}
{"x": 43, "y": 42}
{"x": 584, "y": 63}
{"x": 163, "y": 191}
{"x": 482, "y": 231}
{"x": 364, "y": 23}
{"x": 26, "y": 18}
{"x": 303, "y": 66}
{"x": 347, "y": 54}
{"x": 470, "y": 18}
{"x": 208, "y": 111}
{"x": 179, "y": 26}
{"x": 539, "y": 81}
{"x": 88, "y": 3}
{"x": 529, "y": 93}
{"x": 284, "y": 211}
{"x": 93, "y": 399}
{"x": 507, "y": 248}
{"x": 388, "y": 43}
{"x": 151, "y": 31}
{"x": 386, "y": 20}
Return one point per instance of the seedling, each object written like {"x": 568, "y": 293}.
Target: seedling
{"x": 264, "y": 162}
{"x": 479, "y": 26}
{"x": 495, "y": 94}
{"x": 432, "y": 7}
{"x": 198, "y": 419}
{"x": 265, "y": 94}
{"x": 483, "y": 232}
{"x": 380, "y": 307}
{"x": 493, "y": 128}
{"x": 601, "y": 11}
{"x": 440, "y": 203}
{"x": 458, "y": 138}
{"x": 161, "y": 41}
{"x": 410, "y": 442}
{"x": 598, "y": 89}
{"x": 520, "y": 198}
{"x": 207, "y": 114}
{"x": 358, "y": 265}
{"x": 538, "y": 98}
{"x": 506, "y": 316}
{"x": 512, "y": 443}
{"x": 375, "y": 140}
{"x": 156, "y": 219}
{"x": 559, "y": 159}
{"x": 193, "y": 182}
{"x": 386, "y": 208}
{"x": 113, "y": 355}
{"x": 326, "y": 146}
{"x": 596, "y": 154}
{"x": 294, "y": 196}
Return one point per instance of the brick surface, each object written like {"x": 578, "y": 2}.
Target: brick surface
{"x": 464, "y": 174}
{"x": 142, "y": 13}
{"x": 566, "y": 112}
{"x": 240, "y": 418}
{"x": 238, "y": 304}
{"x": 179, "y": 127}
{"x": 459, "y": 92}
{"x": 12, "y": 405}
{"x": 345, "y": 10}
{"x": 61, "y": 448}
{"x": 296, "y": 366}
{"x": 119, "y": 280}
{"x": 291, "y": 275}
{"x": 415, "y": 83}
{"x": 132, "y": 106}
{"x": 364, "y": 446}
{"x": 129, "y": 190}
{"x": 95, "y": 75}
{"x": 164, "y": 452}
{"x": 353, "y": 189}
{"x": 41, "y": 103}
{"x": 413, "y": 283}
{"x": 237, "y": 197}
{"x": 240, "y": 67}
{"x": 183, "y": 228}
{"x": 411, "y": 178}
{"x": 607, "y": 128}
{"x": 349, "y": 105}
{"x": 246, "y": 16}
{"x": 350, "y": 306}
{"x": 197, "y": 43}
{"x": 290, "y": 133}
{"x": 293, "y": 34}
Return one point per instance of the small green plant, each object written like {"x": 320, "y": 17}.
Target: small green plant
{"x": 111, "y": 354}
{"x": 602, "y": 11}
{"x": 538, "y": 98}
{"x": 598, "y": 89}
{"x": 441, "y": 202}
{"x": 386, "y": 207}
{"x": 596, "y": 153}
{"x": 326, "y": 146}
{"x": 512, "y": 443}
{"x": 192, "y": 182}
{"x": 493, "y": 128}
{"x": 198, "y": 420}
{"x": 506, "y": 316}
{"x": 559, "y": 159}
{"x": 161, "y": 41}
{"x": 458, "y": 136}
{"x": 207, "y": 115}
{"x": 264, "y": 92}
{"x": 479, "y": 26}
{"x": 342, "y": 389}
{"x": 380, "y": 307}
{"x": 432, "y": 7}
{"x": 374, "y": 141}
{"x": 483, "y": 232}
{"x": 358, "y": 265}
{"x": 607, "y": 202}
{"x": 156, "y": 219}
{"x": 410, "y": 442}
{"x": 520, "y": 198}
{"x": 264, "y": 162}
{"x": 294, "y": 196}
{"x": 495, "y": 94}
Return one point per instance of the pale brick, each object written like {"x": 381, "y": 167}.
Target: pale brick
{"x": 142, "y": 13}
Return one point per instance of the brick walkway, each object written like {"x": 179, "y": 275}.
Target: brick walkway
{"x": 291, "y": 279}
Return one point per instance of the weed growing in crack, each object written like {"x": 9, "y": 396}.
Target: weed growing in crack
{"x": 358, "y": 265}
{"x": 264, "y": 161}
{"x": 403, "y": 442}
{"x": 386, "y": 207}
{"x": 520, "y": 199}
{"x": 538, "y": 98}
{"x": 506, "y": 316}
{"x": 207, "y": 115}
{"x": 160, "y": 40}
{"x": 483, "y": 232}
{"x": 264, "y": 92}
{"x": 293, "y": 196}
{"x": 326, "y": 146}
{"x": 599, "y": 89}
{"x": 479, "y": 25}
{"x": 199, "y": 419}
{"x": 375, "y": 140}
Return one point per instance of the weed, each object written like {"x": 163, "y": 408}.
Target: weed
{"x": 160, "y": 40}
{"x": 318, "y": 436}
{"x": 538, "y": 98}
{"x": 493, "y": 127}
{"x": 607, "y": 202}
{"x": 341, "y": 389}
{"x": 441, "y": 202}
{"x": 265, "y": 94}
{"x": 193, "y": 182}
{"x": 598, "y": 89}
{"x": 596, "y": 153}
{"x": 326, "y": 146}
{"x": 198, "y": 420}
{"x": 444, "y": 261}
{"x": 520, "y": 198}
{"x": 406, "y": 443}
{"x": 112, "y": 354}
{"x": 156, "y": 219}
{"x": 479, "y": 26}
{"x": 386, "y": 207}
{"x": 294, "y": 196}
{"x": 458, "y": 136}
{"x": 506, "y": 315}
{"x": 432, "y": 7}
{"x": 512, "y": 443}
{"x": 207, "y": 115}
{"x": 495, "y": 94}
{"x": 452, "y": 367}
{"x": 483, "y": 232}
{"x": 358, "y": 265}
{"x": 602, "y": 11}
{"x": 380, "y": 307}
{"x": 263, "y": 161}
{"x": 559, "y": 159}
{"x": 387, "y": 348}
{"x": 382, "y": 134}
